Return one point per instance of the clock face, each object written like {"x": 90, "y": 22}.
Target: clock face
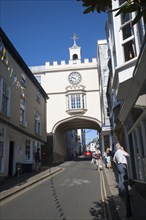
{"x": 74, "y": 78}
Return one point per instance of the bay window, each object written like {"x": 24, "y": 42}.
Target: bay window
{"x": 76, "y": 102}
{"x": 128, "y": 39}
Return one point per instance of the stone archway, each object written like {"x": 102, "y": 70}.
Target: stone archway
{"x": 59, "y": 131}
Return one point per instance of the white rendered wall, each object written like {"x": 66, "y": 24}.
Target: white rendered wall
{"x": 54, "y": 80}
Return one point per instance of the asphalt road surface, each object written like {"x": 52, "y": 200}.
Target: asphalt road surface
{"x": 80, "y": 192}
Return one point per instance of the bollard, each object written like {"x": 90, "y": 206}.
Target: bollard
{"x": 128, "y": 206}
{"x": 127, "y": 197}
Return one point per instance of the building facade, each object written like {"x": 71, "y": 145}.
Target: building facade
{"x": 126, "y": 91}
{"x": 74, "y": 99}
{"x": 22, "y": 112}
{"x": 103, "y": 58}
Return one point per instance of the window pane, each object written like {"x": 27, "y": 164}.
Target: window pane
{"x": 22, "y": 111}
{"x": 22, "y": 116}
{"x": 83, "y": 102}
{"x": 38, "y": 97}
{"x": 5, "y": 98}
{"x": 73, "y": 101}
{"x": 125, "y": 17}
{"x": 27, "y": 149}
{"x": 127, "y": 31}
{"x": 121, "y": 2}
{"x": 129, "y": 50}
{"x": 37, "y": 123}
{"x": 78, "y": 102}
{"x": 23, "y": 79}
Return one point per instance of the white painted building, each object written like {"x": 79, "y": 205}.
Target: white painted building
{"x": 92, "y": 147}
{"x": 74, "y": 99}
{"x": 103, "y": 58}
{"x": 127, "y": 89}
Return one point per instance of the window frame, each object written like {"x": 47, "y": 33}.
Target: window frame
{"x": 23, "y": 111}
{"x": 76, "y": 102}
{"x": 38, "y": 97}
{"x": 23, "y": 80}
{"x": 28, "y": 150}
{"x": 129, "y": 52}
{"x": 37, "y": 123}
{"x": 4, "y": 98}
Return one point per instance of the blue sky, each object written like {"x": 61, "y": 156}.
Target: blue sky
{"x": 90, "y": 135}
{"x": 42, "y": 30}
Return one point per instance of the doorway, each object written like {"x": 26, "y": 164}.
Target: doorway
{"x": 11, "y": 158}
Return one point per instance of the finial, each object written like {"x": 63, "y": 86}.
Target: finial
{"x": 75, "y": 37}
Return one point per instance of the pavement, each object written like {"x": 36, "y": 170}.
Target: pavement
{"x": 136, "y": 207}
{"x": 13, "y": 185}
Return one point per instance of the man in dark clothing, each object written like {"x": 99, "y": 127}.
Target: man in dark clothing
{"x": 37, "y": 159}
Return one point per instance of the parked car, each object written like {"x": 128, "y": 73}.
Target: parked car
{"x": 88, "y": 153}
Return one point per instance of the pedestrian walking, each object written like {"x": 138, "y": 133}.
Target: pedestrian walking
{"x": 108, "y": 158}
{"x": 121, "y": 162}
{"x": 98, "y": 159}
{"x": 105, "y": 158}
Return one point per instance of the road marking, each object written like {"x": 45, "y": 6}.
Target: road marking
{"x": 29, "y": 187}
{"x": 104, "y": 196}
{"x": 73, "y": 182}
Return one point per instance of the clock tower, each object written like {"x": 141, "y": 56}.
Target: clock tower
{"x": 74, "y": 100}
{"x": 75, "y": 51}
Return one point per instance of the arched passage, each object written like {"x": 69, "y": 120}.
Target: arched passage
{"x": 62, "y": 127}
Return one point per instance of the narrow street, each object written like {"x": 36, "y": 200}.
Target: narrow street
{"x": 73, "y": 86}
{"x": 79, "y": 192}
